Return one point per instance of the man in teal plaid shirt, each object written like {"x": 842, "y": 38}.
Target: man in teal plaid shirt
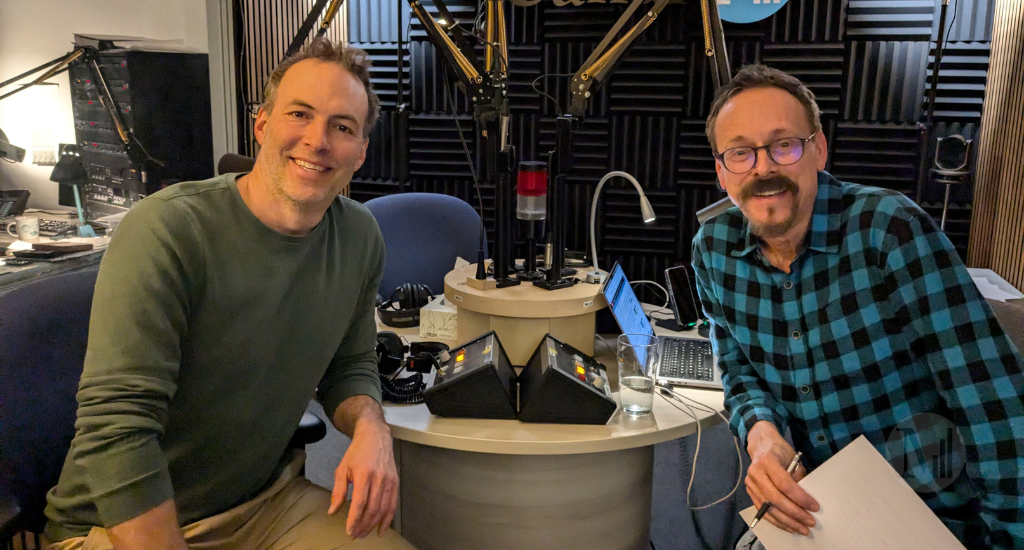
{"x": 840, "y": 310}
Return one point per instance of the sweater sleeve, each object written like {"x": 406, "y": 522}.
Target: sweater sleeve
{"x": 353, "y": 369}
{"x": 131, "y": 364}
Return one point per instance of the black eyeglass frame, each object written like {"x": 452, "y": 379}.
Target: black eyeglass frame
{"x": 767, "y": 150}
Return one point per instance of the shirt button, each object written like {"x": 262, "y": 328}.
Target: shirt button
{"x": 796, "y": 334}
{"x": 805, "y": 389}
{"x": 821, "y": 438}
{"x": 788, "y": 285}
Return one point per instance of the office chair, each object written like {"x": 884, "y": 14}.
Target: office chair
{"x": 952, "y": 154}
{"x": 231, "y": 162}
{"x": 44, "y": 328}
{"x": 424, "y": 233}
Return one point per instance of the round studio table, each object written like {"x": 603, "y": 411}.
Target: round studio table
{"x": 521, "y": 315}
{"x": 471, "y": 484}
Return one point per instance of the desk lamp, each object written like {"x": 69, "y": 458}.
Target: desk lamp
{"x": 69, "y": 171}
{"x": 646, "y": 211}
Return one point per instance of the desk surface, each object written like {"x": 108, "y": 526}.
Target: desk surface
{"x": 414, "y": 423}
{"x": 12, "y": 277}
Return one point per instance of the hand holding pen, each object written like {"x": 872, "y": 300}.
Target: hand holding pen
{"x": 767, "y": 480}
{"x": 766, "y": 505}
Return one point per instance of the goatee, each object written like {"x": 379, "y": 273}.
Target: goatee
{"x": 770, "y": 184}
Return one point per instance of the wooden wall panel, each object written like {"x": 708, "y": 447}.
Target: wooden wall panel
{"x": 997, "y": 233}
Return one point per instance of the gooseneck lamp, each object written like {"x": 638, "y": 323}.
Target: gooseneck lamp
{"x": 646, "y": 211}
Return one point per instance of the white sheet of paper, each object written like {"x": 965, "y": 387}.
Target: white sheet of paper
{"x": 991, "y": 291}
{"x": 865, "y": 505}
{"x": 992, "y": 286}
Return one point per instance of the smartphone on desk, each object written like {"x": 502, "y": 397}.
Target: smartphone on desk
{"x": 682, "y": 295}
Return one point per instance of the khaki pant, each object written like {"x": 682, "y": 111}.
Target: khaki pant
{"x": 291, "y": 513}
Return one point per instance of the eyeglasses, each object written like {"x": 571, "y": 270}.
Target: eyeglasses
{"x": 783, "y": 151}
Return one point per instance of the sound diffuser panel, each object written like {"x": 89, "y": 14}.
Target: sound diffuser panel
{"x": 885, "y": 81}
{"x": 384, "y": 73}
{"x": 650, "y": 79}
{"x": 882, "y": 155}
{"x": 889, "y": 19}
{"x": 818, "y": 66}
{"x": 804, "y": 21}
{"x": 962, "y": 76}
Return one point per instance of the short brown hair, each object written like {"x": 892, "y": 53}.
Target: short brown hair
{"x": 761, "y": 76}
{"x": 353, "y": 60}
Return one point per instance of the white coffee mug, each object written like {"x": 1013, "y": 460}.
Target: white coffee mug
{"x": 27, "y": 228}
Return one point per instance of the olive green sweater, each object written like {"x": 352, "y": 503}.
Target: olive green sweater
{"x": 209, "y": 334}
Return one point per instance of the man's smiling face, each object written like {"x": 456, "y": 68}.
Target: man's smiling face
{"x": 312, "y": 138}
{"x": 775, "y": 199}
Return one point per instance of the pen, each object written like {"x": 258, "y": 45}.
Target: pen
{"x": 766, "y": 505}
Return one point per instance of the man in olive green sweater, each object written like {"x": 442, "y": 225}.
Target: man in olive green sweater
{"x": 220, "y": 307}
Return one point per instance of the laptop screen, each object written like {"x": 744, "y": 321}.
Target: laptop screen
{"x": 625, "y": 306}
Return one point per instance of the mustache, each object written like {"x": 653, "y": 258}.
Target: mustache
{"x": 769, "y": 184}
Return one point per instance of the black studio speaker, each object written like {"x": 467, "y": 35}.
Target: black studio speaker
{"x": 477, "y": 382}
{"x": 562, "y": 385}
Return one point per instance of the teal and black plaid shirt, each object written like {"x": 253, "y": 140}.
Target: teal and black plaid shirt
{"x": 877, "y": 321}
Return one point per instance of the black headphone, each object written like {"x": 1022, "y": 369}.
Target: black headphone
{"x": 410, "y": 297}
{"x": 391, "y": 358}
{"x": 390, "y": 352}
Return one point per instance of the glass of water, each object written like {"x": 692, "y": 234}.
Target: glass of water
{"x": 638, "y": 357}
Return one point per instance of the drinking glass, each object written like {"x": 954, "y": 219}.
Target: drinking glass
{"x": 638, "y": 356}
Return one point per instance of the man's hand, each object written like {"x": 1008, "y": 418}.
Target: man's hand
{"x": 767, "y": 479}
{"x": 369, "y": 465}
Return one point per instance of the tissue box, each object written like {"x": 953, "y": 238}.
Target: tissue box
{"x": 437, "y": 319}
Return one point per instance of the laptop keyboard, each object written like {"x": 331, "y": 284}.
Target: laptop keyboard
{"x": 682, "y": 358}
{"x": 55, "y": 227}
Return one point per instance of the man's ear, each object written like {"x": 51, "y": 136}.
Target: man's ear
{"x": 821, "y": 148}
{"x": 718, "y": 172}
{"x": 259, "y": 129}
{"x": 362, "y": 157}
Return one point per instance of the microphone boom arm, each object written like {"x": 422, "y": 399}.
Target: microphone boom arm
{"x": 486, "y": 86}
{"x": 603, "y": 59}
{"x": 55, "y": 67}
{"x": 466, "y": 67}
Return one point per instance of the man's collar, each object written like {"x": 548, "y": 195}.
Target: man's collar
{"x": 823, "y": 234}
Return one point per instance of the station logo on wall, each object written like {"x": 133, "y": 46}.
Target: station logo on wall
{"x": 734, "y": 11}
{"x": 748, "y": 11}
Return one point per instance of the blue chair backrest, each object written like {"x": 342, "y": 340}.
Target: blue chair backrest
{"x": 44, "y": 329}
{"x": 424, "y": 234}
